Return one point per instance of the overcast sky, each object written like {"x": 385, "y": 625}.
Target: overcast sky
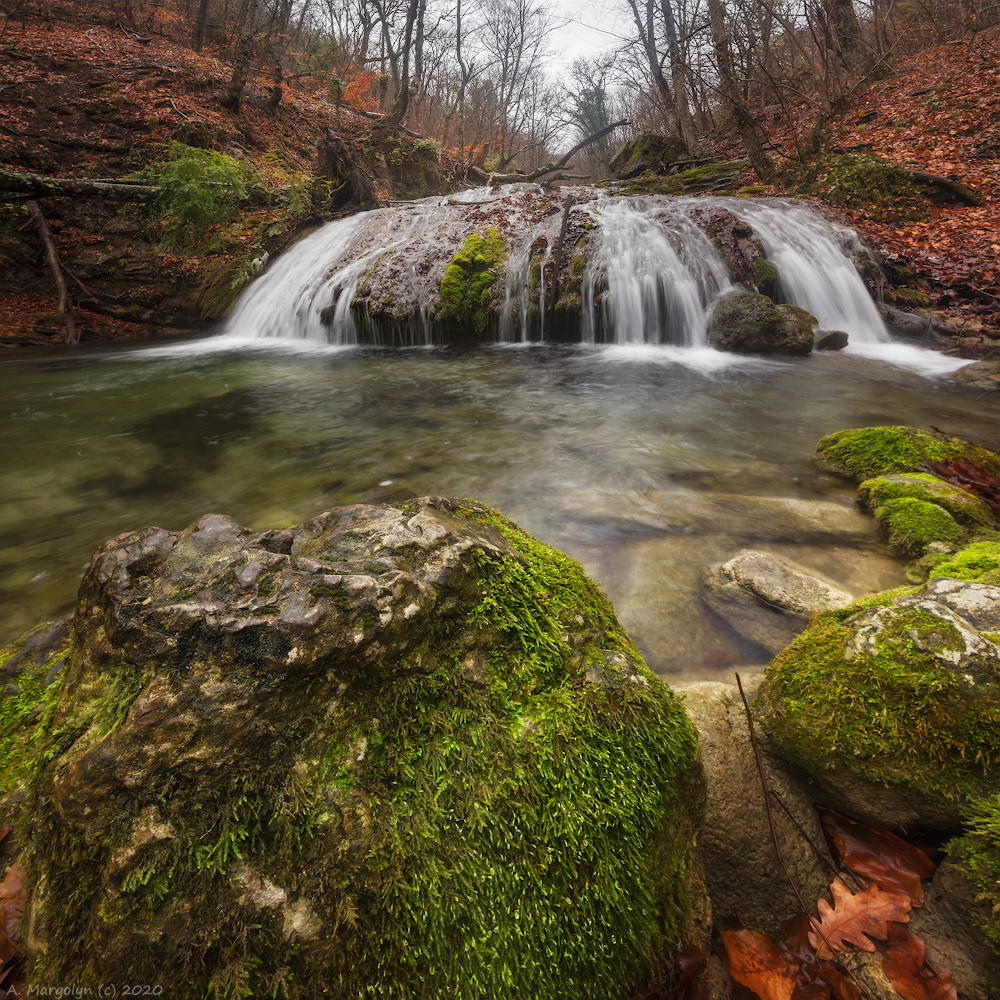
{"x": 587, "y": 28}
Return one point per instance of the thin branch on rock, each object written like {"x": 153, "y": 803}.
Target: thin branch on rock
{"x": 51, "y": 255}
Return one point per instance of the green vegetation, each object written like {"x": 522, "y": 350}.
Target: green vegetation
{"x": 867, "y": 452}
{"x": 466, "y": 289}
{"x": 916, "y": 526}
{"x": 978, "y": 854}
{"x": 508, "y": 812}
{"x": 979, "y": 562}
{"x": 871, "y": 183}
{"x": 963, "y": 506}
{"x": 890, "y": 712}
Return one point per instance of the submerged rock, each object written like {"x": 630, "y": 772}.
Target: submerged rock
{"x": 830, "y": 340}
{"x": 394, "y": 745}
{"x": 750, "y": 323}
{"x": 894, "y": 708}
{"x": 768, "y": 599}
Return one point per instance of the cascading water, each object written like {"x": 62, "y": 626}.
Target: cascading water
{"x": 644, "y": 270}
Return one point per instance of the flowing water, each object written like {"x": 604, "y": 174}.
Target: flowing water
{"x": 640, "y": 451}
{"x": 647, "y": 463}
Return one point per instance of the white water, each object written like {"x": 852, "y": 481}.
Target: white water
{"x": 652, "y": 278}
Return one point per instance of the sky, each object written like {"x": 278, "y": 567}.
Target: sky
{"x": 586, "y": 28}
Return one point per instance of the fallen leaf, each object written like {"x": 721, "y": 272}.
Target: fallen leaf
{"x": 889, "y": 861}
{"x": 855, "y": 918}
{"x": 759, "y": 964}
{"x": 904, "y": 967}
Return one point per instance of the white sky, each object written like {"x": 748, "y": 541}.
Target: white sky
{"x": 588, "y": 27}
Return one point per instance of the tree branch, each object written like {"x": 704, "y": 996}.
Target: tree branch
{"x": 38, "y": 186}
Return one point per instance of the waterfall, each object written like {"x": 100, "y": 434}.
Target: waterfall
{"x": 643, "y": 270}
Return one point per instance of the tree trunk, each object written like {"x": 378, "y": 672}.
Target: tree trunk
{"x": 678, "y": 77}
{"x": 750, "y": 132}
{"x": 200, "y": 23}
{"x": 336, "y": 163}
{"x": 65, "y": 303}
{"x": 274, "y": 94}
{"x": 401, "y": 105}
{"x": 36, "y": 185}
{"x": 233, "y": 97}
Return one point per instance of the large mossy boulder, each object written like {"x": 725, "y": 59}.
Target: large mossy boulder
{"x": 894, "y": 708}
{"x": 867, "y": 452}
{"x": 648, "y": 151}
{"x": 399, "y": 751}
{"x": 750, "y": 323}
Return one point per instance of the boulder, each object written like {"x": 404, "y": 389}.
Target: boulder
{"x": 648, "y": 151}
{"x": 892, "y": 705}
{"x": 750, "y": 323}
{"x": 768, "y": 599}
{"x": 830, "y": 340}
{"x": 964, "y": 507}
{"x": 982, "y": 374}
{"x": 392, "y": 745}
{"x": 866, "y": 452}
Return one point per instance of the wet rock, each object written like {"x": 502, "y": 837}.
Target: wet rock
{"x": 750, "y": 323}
{"x": 830, "y": 340}
{"x": 768, "y": 599}
{"x": 335, "y": 756}
{"x": 893, "y": 709}
{"x": 982, "y": 374}
{"x": 743, "y": 878}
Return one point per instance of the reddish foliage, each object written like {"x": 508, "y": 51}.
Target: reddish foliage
{"x": 970, "y": 477}
{"x": 11, "y": 907}
{"x": 856, "y": 918}
{"x": 889, "y": 861}
{"x": 759, "y": 964}
{"x": 904, "y": 967}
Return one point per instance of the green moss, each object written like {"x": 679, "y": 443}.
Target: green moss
{"x": 979, "y": 562}
{"x": 898, "y": 716}
{"x": 964, "y": 506}
{"x": 867, "y": 452}
{"x": 911, "y": 297}
{"x": 517, "y": 827}
{"x": 578, "y": 265}
{"x": 466, "y": 288}
{"x": 915, "y": 525}
{"x": 765, "y": 275}
{"x": 978, "y": 854}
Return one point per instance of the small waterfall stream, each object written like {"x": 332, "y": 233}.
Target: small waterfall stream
{"x": 642, "y": 270}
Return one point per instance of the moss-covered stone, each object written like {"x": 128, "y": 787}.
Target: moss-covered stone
{"x": 916, "y": 526}
{"x": 765, "y": 276}
{"x": 979, "y": 562}
{"x": 467, "y": 286}
{"x": 750, "y": 323}
{"x": 978, "y": 854}
{"x": 403, "y": 751}
{"x": 648, "y": 151}
{"x": 867, "y": 452}
{"x": 892, "y": 706}
{"x": 963, "y": 506}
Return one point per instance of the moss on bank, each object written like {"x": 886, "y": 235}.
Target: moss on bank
{"x": 916, "y": 526}
{"x": 894, "y": 714}
{"x": 963, "y": 506}
{"x": 467, "y": 286}
{"x": 978, "y": 562}
{"x": 867, "y": 452}
{"x": 978, "y": 853}
{"x": 508, "y": 812}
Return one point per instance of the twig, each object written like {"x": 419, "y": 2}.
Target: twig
{"x": 173, "y": 104}
{"x": 774, "y": 836}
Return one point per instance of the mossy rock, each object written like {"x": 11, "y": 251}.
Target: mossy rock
{"x": 963, "y": 506}
{"x": 867, "y": 452}
{"x": 765, "y": 275}
{"x": 893, "y": 705}
{"x": 466, "y": 296}
{"x": 917, "y": 527}
{"x": 979, "y": 562}
{"x": 977, "y": 853}
{"x": 750, "y": 323}
{"x": 648, "y": 151}
{"x": 403, "y": 751}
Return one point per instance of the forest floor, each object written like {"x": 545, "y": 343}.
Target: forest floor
{"x": 99, "y": 101}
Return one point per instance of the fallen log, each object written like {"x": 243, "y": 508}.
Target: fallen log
{"x": 960, "y": 192}
{"x": 39, "y": 186}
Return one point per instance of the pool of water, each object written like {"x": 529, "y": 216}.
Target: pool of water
{"x": 648, "y": 464}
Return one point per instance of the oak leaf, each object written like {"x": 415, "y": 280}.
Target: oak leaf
{"x": 903, "y": 965}
{"x": 759, "y": 964}
{"x": 856, "y": 918}
{"x": 889, "y": 861}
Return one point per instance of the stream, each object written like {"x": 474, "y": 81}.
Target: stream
{"x": 647, "y": 463}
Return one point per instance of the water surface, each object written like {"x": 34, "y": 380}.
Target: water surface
{"x": 634, "y": 460}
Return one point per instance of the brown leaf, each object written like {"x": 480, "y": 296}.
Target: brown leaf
{"x": 759, "y": 964}
{"x": 904, "y": 967}
{"x": 12, "y": 900}
{"x": 855, "y": 917}
{"x": 4, "y": 830}
{"x": 889, "y": 861}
